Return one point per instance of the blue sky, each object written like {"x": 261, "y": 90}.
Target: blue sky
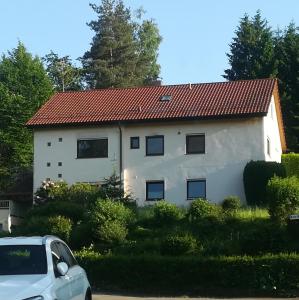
{"x": 196, "y": 33}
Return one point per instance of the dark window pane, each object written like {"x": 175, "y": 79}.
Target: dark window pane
{"x": 155, "y": 145}
{"x": 196, "y": 189}
{"x": 135, "y": 142}
{"x": 66, "y": 255}
{"x": 155, "y": 190}
{"x": 23, "y": 260}
{"x": 92, "y": 148}
{"x": 195, "y": 144}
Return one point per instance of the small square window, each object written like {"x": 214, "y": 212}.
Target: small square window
{"x": 60, "y": 140}
{"x": 134, "y": 142}
{"x": 48, "y": 179}
{"x": 59, "y": 164}
{"x": 49, "y": 144}
{"x": 48, "y": 164}
{"x": 155, "y": 145}
{"x": 196, "y": 188}
{"x": 59, "y": 175}
{"x": 195, "y": 144}
{"x": 154, "y": 190}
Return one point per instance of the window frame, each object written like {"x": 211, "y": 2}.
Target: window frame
{"x": 147, "y": 138}
{"x": 188, "y": 136}
{"x": 196, "y": 180}
{"x": 92, "y": 139}
{"x": 147, "y": 190}
{"x": 132, "y": 138}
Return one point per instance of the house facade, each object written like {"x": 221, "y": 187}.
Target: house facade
{"x": 175, "y": 143}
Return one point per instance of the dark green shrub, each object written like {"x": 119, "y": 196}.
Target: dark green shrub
{"x": 283, "y": 195}
{"x": 293, "y": 228}
{"x": 291, "y": 163}
{"x": 81, "y": 235}
{"x": 202, "y": 209}
{"x": 178, "y": 245}
{"x": 256, "y": 176}
{"x": 166, "y": 213}
{"x": 67, "y": 209}
{"x": 231, "y": 203}
{"x": 267, "y": 275}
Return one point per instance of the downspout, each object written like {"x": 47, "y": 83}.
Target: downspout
{"x": 120, "y": 152}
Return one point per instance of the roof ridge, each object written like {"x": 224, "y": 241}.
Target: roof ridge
{"x": 165, "y": 85}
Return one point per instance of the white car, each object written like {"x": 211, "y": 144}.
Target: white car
{"x": 40, "y": 268}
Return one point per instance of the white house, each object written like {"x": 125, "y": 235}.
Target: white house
{"x": 175, "y": 142}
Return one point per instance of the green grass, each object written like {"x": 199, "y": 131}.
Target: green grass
{"x": 249, "y": 213}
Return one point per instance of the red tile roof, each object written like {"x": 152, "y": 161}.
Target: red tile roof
{"x": 207, "y": 100}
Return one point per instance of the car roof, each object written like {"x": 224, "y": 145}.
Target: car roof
{"x": 31, "y": 240}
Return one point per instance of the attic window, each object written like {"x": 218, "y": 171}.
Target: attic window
{"x": 165, "y": 98}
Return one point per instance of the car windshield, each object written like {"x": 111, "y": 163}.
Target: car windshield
{"x": 23, "y": 260}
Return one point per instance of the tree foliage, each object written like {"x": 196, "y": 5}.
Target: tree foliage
{"x": 123, "y": 51}
{"x": 64, "y": 75}
{"x": 24, "y": 86}
{"x": 252, "y": 50}
{"x": 257, "y": 52}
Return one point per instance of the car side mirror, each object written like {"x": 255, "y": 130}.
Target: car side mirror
{"x": 62, "y": 268}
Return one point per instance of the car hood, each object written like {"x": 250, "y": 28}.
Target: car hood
{"x": 18, "y": 287}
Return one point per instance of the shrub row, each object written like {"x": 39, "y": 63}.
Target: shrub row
{"x": 266, "y": 275}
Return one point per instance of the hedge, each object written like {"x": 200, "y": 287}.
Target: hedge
{"x": 194, "y": 275}
{"x": 256, "y": 176}
{"x": 291, "y": 163}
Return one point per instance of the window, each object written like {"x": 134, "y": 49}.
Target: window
{"x": 59, "y": 164}
{"x": 195, "y": 144}
{"x": 92, "y": 148}
{"x": 60, "y": 140}
{"x": 154, "y": 145}
{"x": 268, "y": 147}
{"x": 66, "y": 255}
{"x": 48, "y": 164}
{"x": 196, "y": 188}
{"x": 154, "y": 190}
{"x": 1, "y": 227}
{"x": 134, "y": 142}
{"x": 49, "y": 144}
{"x": 59, "y": 175}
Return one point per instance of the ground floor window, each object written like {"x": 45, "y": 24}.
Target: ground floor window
{"x": 154, "y": 190}
{"x": 196, "y": 188}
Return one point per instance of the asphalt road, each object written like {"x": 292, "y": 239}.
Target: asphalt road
{"x": 116, "y": 297}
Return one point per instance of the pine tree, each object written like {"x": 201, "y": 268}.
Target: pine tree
{"x": 252, "y": 51}
{"x": 123, "y": 53}
{"x": 287, "y": 55}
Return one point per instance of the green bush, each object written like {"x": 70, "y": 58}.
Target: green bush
{"x": 80, "y": 235}
{"x": 283, "y": 195}
{"x": 291, "y": 163}
{"x": 83, "y": 194}
{"x": 109, "y": 220}
{"x": 268, "y": 275}
{"x": 256, "y": 176}
{"x": 111, "y": 232}
{"x": 54, "y": 225}
{"x": 67, "y": 209}
{"x": 60, "y": 226}
{"x": 231, "y": 203}
{"x": 202, "y": 209}
{"x": 166, "y": 213}
{"x": 178, "y": 245}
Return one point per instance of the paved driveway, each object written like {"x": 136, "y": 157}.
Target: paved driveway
{"x": 114, "y": 297}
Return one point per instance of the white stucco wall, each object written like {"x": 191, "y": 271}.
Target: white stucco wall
{"x": 73, "y": 170}
{"x": 271, "y": 132}
{"x": 230, "y": 144}
{"x": 5, "y": 219}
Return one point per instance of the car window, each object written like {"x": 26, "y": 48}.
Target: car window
{"x": 23, "y": 260}
{"x": 67, "y": 255}
{"x": 56, "y": 257}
